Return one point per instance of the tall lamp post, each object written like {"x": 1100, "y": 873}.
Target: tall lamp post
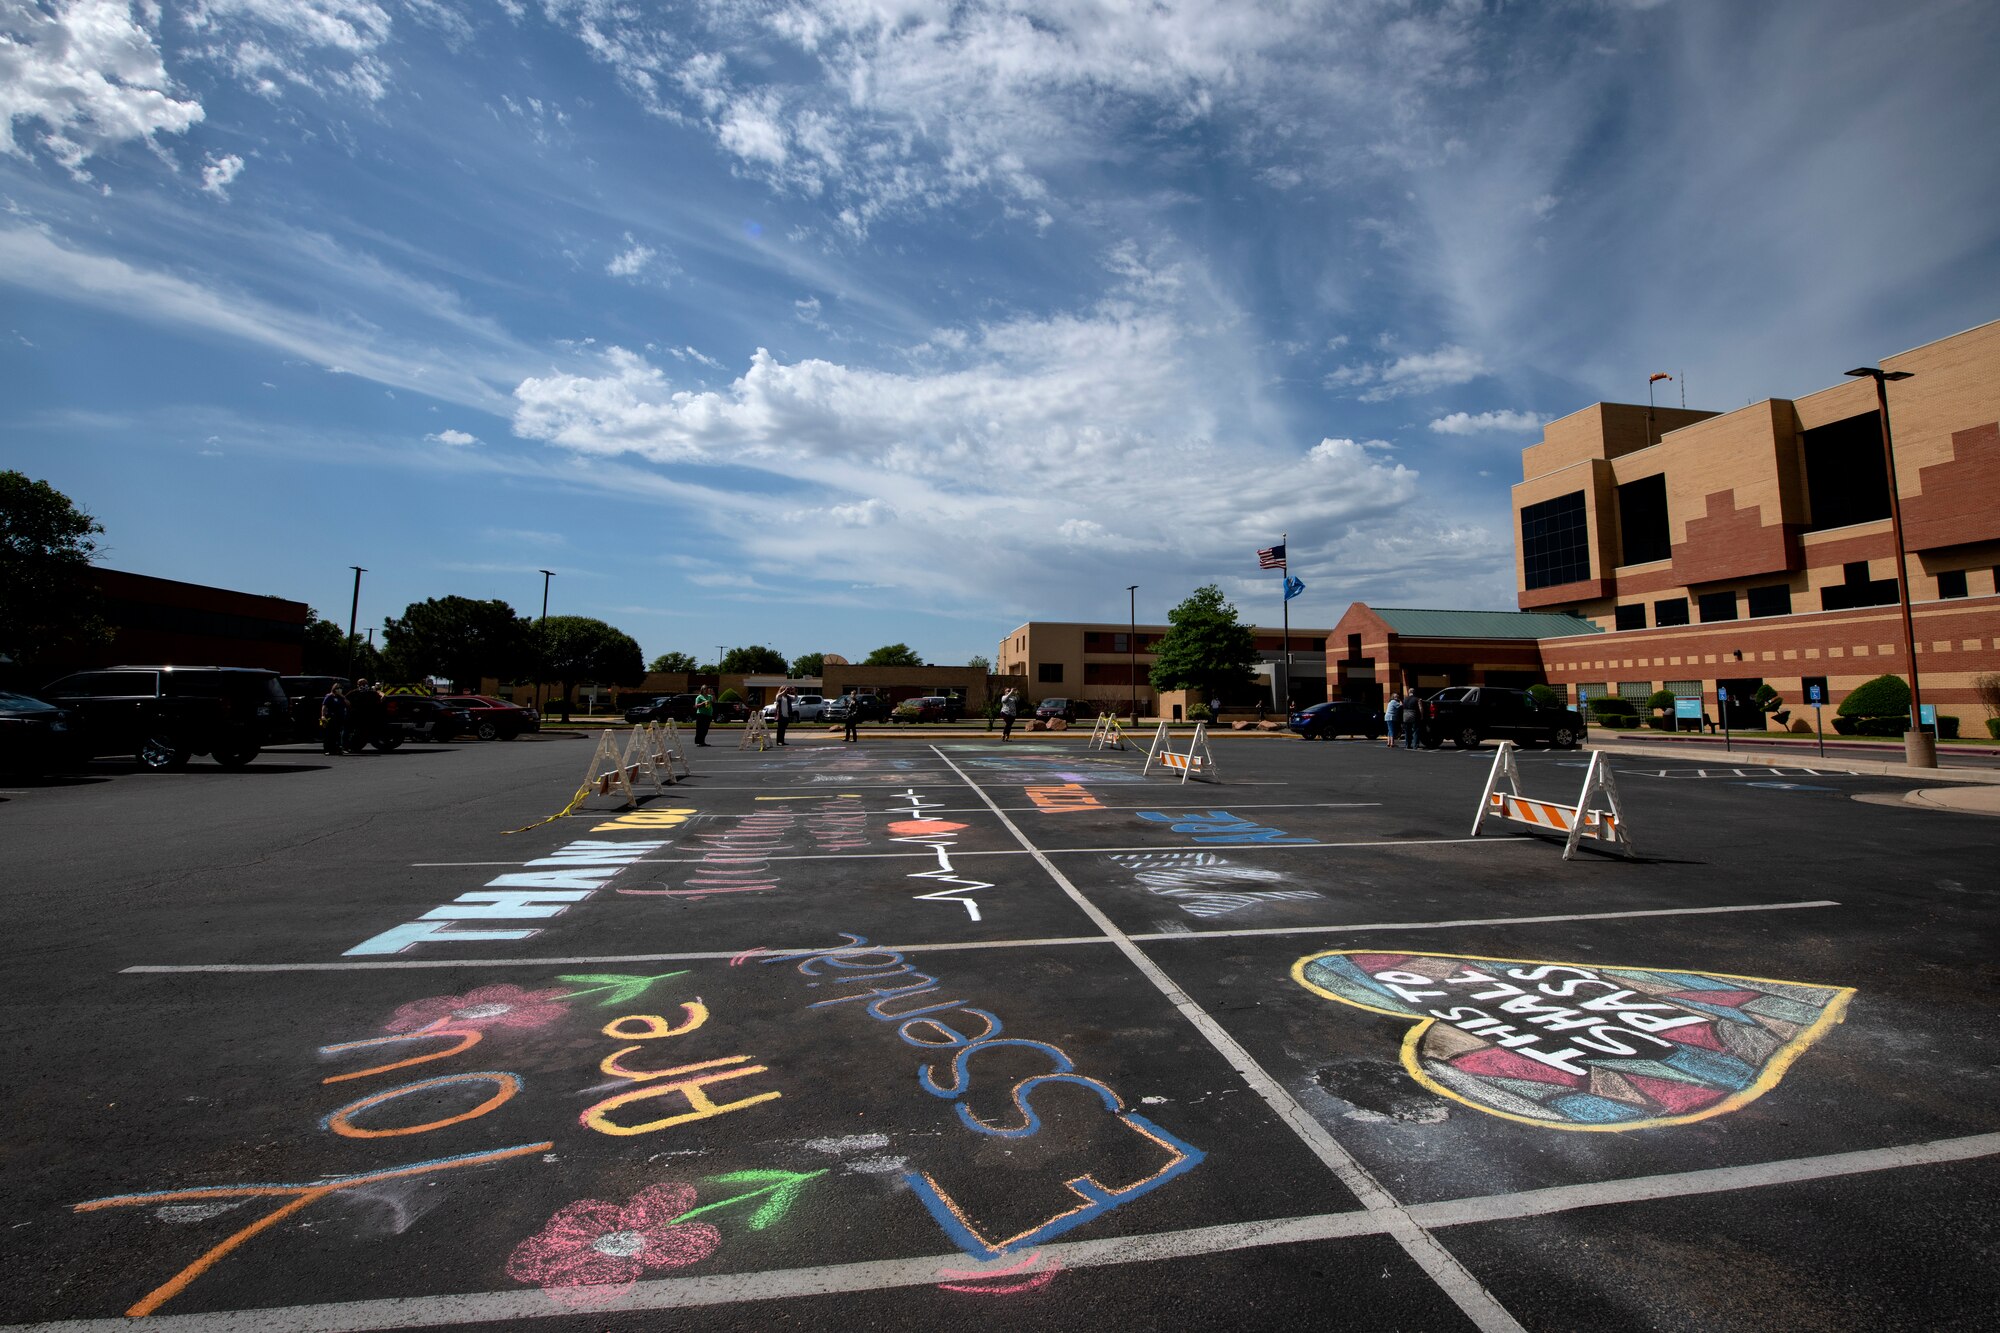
{"x": 1919, "y": 747}
{"x": 353, "y": 612}
{"x": 1132, "y": 648}
{"x": 540, "y": 625}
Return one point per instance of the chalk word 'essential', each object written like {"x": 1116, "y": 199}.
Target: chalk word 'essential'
{"x": 921, "y": 1027}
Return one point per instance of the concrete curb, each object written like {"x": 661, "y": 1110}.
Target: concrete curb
{"x": 1793, "y": 759}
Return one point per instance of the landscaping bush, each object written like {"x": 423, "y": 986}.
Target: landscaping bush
{"x": 1844, "y": 725}
{"x": 1884, "y": 696}
{"x": 1548, "y": 696}
{"x": 1661, "y": 723}
{"x": 1662, "y": 701}
{"x": 1993, "y": 727}
{"x": 1879, "y": 726}
{"x": 1605, "y": 710}
{"x": 1199, "y": 713}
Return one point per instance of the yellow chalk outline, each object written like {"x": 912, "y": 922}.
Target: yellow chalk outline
{"x": 1767, "y": 1078}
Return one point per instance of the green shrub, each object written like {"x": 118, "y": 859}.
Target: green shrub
{"x": 1604, "y": 710}
{"x": 1767, "y": 698}
{"x": 1844, "y": 725}
{"x": 1880, "y": 726}
{"x": 1547, "y": 696}
{"x": 1993, "y": 727}
{"x": 1660, "y": 723}
{"x": 1199, "y": 713}
{"x": 1884, "y": 696}
{"x": 1661, "y": 701}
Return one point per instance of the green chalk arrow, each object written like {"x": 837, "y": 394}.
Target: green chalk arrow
{"x": 622, "y": 987}
{"x": 781, "y": 1187}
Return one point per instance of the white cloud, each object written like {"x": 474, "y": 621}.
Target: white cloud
{"x": 328, "y": 46}
{"x": 1411, "y": 373}
{"x": 91, "y": 75}
{"x": 632, "y": 261}
{"x": 458, "y": 439}
{"x": 220, "y": 173}
{"x": 1464, "y": 423}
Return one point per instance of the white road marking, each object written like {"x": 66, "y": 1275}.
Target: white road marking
{"x": 886, "y": 1274}
{"x": 1452, "y": 1277}
{"x": 948, "y": 946}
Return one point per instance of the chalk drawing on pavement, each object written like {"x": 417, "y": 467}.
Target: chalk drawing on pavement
{"x": 1583, "y": 1046}
{"x": 1218, "y": 827}
{"x": 1205, "y": 885}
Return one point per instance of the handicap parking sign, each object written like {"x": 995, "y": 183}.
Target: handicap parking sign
{"x": 1722, "y": 694}
{"x": 1812, "y": 695}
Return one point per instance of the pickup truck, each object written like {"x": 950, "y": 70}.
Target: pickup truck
{"x": 1469, "y": 714}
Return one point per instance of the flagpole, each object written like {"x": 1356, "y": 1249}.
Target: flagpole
{"x": 1285, "y": 577}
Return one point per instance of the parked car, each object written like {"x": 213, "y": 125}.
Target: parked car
{"x": 806, "y": 708}
{"x": 304, "y": 694}
{"x": 1469, "y": 714}
{"x": 494, "y": 719}
{"x": 1337, "y": 717}
{"x": 37, "y": 738}
{"x": 865, "y": 707}
{"x": 731, "y": 710}
{"x": 928, "y": 708}
{"x": 419, "y": 717}
{"x": 1049, "y": 709}
{"x": 161, "y": 715}
{"x": 679, "y": 707}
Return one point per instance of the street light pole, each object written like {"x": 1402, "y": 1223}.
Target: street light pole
{"x": 353, "y": 612}
{"x": 540, "y": 625}
{"x": 1132, "y": 648}
{"x": 1919, "y": 748}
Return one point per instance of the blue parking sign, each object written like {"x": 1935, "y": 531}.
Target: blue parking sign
{"x": 1812, "y": 695}
{"x": 1722, "y": 694}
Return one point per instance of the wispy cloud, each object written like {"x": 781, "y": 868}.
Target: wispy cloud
{"x": 1466, "y": 423}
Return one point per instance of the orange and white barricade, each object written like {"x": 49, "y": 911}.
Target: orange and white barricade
{"x": 1198, "y": 762}
{"x": 1576, "y": 822}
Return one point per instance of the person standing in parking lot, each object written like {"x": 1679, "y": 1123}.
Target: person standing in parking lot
{"x": 704, "y": 713}
{"x": 853, "y": 719}
{"x": 1413, "y": 720}
{"x": 364, "y": 716}
{"x": 1391, "y": 716}
{"x": 332, "y": 720}
{"x": 1010, "y": 704}
{"x": 784, "y": 705}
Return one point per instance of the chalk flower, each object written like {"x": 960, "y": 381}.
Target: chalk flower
{"x": 592, "y": 1251}
{"x": 486, "y": 1007}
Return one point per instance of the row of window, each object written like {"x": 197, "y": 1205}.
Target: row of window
{"x": 1854, "y": 590}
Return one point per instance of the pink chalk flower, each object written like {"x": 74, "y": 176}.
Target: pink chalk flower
{"x": 486, "y": 1007}
{"x": 592, "y": 1251}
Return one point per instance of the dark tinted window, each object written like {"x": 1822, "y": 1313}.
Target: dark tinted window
{"x": 21, "y": 703}
{"x": 1771, "y": 600}
{"x": 1642, "y": 521}
{"x": 100, "y": 684}
{"x": 1951, "y": 583}
{"x": 1048, "y": 673}
{"x": 1857, "y": 589}
{"x": 1555, "y": 542}
{"x": 1718, "y": 606}
{"x": 1633, "y": 616}
{"x": 1672, "y": 611}
{"x": 1845, "y": 480}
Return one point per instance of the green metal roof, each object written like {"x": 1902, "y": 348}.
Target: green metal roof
{"x": 1425, "y": 624}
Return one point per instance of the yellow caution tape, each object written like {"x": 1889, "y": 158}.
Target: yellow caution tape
{"x": 582, "y": 793}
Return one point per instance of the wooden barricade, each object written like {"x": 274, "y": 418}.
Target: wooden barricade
{"x": 1107, "y": 734}
{"x": 1576, "y": 822}
{"x": 755, "y": 733}
{"x": 1199, "y": 761}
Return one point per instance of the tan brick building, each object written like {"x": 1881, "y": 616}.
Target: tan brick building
{"x": 1094, "y": 662}
{"x": 1698, "y": 549}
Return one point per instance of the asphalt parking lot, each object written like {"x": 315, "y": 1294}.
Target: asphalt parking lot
{"x": 932, "y": 1031}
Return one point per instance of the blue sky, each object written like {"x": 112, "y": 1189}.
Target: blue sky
{"x": 833, "y": 323}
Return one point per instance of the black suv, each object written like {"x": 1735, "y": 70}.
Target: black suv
{"x": 163, "y": 714}
{"x": 679, "y": 707}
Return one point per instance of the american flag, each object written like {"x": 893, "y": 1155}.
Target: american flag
{"x": 1271, "y": 557}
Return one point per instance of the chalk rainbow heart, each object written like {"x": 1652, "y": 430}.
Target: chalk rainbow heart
{"x": 1582, "y": 1046}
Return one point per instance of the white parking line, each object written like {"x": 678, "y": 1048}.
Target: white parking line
{"x": 949, "y": 946}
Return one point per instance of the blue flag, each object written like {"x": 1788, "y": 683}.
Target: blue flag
{"x": 1293, "y": 587}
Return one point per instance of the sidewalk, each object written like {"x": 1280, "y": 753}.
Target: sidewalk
{"x": 1980, "y": 796}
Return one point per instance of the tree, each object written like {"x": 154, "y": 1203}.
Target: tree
{"x": 457, "y": 638}
{"x": 978, "y": 663}
{"x": 674, "y": 662}
{"x": 577, "y": 649}
{"x": 331, "y": 652}
{"x": 756, "y": 660}
{"x": 811, "y": 664}
{"x": 893, "y": 654}
{"x": 46, "y": 599}
{"x": 1206, "y": 650}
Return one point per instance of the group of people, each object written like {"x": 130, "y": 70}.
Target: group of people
{"x": 349, "y": 720}
{"x": 1403, "y": 718}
